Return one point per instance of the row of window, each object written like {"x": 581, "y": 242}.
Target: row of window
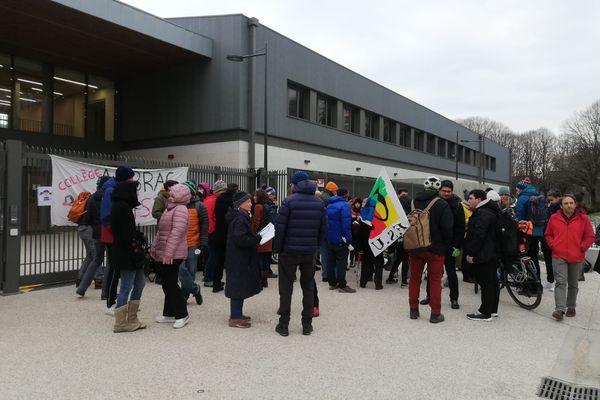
{"x": 325, "y": 113}
{"x": 38, "y": 97}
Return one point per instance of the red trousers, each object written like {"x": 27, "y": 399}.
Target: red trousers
{"x": 435, "y": 268}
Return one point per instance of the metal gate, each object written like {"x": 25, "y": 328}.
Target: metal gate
{"x": 2, "y": 211}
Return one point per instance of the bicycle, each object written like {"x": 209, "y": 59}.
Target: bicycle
{"x": 521, "y": 282}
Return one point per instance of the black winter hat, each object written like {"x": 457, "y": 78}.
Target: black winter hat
{"x": 239, "y": 198}
{"x": 123, "y": 173}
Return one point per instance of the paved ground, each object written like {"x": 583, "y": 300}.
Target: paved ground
{"x": 56, "y": 346}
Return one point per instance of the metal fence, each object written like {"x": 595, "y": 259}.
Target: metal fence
{"x": 2, "y": 208}
{"x": 51, "y": 254}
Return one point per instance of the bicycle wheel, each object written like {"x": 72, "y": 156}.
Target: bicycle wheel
{"x": 522, "y": 287}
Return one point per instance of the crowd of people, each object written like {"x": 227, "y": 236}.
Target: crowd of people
{"x": 217, "y": 229}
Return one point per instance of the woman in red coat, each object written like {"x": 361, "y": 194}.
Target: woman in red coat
{"x": 569, "y": 234}
{"x": 260, "y": 219}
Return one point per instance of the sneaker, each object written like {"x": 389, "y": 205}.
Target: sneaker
{"x": 558, "y": 315}
{"x": 549, "y": 286}
{"x": 198, "y": 297}
{"x": 80, "y": 293}
{"x": 110, "y": 311}
{"x": 435, "y": 318}
{"x": 454, "y": 304}
{"x": 333, "y": 287}
{"x": 346, "y": 289}
{"x": 391, "y": 281}
{"x": 162, "y": 319}
{"x": 424, "y": 302}
{"x": 403, "y": 284}
{"x": 181, "y": 322}
{"x": 307, "y": 329}
{"x": 208, "y": 284}
{"x": 378, "y": 287}
{"x": 325, "y": 279}
{"x": 239, "y": 323}
{"x": 217, "y": 288}
{"x": 282, "y": 330}
{"x": 271, "y": 275}
{"x": 571, "y": 312}
{"x": 414, "y": 313}
{"x": 495, "y": 315}
{"x": 479, "y": 317}
{"x": 315, "y": 311}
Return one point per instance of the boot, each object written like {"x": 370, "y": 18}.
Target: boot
{"x": 264, "y": 275}
{"x": 121, "y": 323}
{"x": 132, "y": 309}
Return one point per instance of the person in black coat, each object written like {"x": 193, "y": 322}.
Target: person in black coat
{"x": 124, "y": 200}
{"x": 223, "y": 204}
{"x": 481, "y": 251}
{"x": 371, "y": 264}
{"x": 399, "y": 255}
{"x": 241, "y": 259}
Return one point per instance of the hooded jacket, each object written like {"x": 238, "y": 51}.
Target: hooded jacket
{"x": 241, "y": 258}
{"x": 440, "y": 221}
{"x": 170, "y": 241}
{"x": 197, "y": 234}
{"x": 301, "y": 221}
{"x": 569, "y": 238}
{"x": 222, "y": 205}
{"x": 523, "y": 209}
{"x": 122, "y": 222}
{"x": 339, "y": 217}
{"x": 480, "y": 242}
{"x": 160, "y": 204}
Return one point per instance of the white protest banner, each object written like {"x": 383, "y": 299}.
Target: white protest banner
{"x": 70, "y": 177}
{"x": 389, "y": 219}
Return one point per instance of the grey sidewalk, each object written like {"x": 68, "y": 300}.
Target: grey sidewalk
{"x": 56, "y": 346}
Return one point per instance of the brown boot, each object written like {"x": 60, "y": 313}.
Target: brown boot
{"x": 264, "y": 275}
{"x": 121, "y": 324}
{"x": 132, "y": 309}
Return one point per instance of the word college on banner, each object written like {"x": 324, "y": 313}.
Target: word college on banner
{"x": 389, "y": 219}
{"x": 70, "y": 177}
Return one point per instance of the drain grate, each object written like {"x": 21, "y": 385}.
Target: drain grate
{"x": 555, "y": 389}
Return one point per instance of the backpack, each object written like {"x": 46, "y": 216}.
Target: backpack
{"x": 507, "y": 230}
{"x": 538, "y": 210}
{"x": 78, "y": 207}
{"x": 418, "y": 236}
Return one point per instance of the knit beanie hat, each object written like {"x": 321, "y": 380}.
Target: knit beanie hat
{"x": 299, "y": 176}
{"x": 269, "y": 190}
{"x": 332, "y": 187}
{"x": 342, "y": 192}
{"x": 523, "y": 183}
{"x": 191, "y": 184}
{"x": 123, "y": 173}
{"x": 219, "y": 186}
{"x": 493, "y": 195}
{"x": 239, "y": 198}
{"x": 503, "y": 191}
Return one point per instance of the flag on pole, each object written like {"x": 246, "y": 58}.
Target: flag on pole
{"x": 388, "y": 218}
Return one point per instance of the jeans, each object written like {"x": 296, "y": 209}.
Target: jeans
{"x": 236, "y": 306}
{"x": 337, "y": 258}
{"x": 94, "y": 267}
{"x": 85, "y": 234}
{"x": 324, "y": 257}
{"x": 487, "y": 278}
{"x": 287, "y": 274}
{"x": 175, "y": 304}
{"x": 187, "y": 273}
{"x": 435, "y": 267}
{"x": 132, "y": 281}
{"x": 567, "y": 283}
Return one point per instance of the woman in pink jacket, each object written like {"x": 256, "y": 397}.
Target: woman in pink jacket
{"x": 170, "y": 249}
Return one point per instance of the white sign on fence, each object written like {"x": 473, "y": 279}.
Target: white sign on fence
{"x": 70, "y": 177}
{"x": 44, "y": 196}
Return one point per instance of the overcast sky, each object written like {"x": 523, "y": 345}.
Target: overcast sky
{"x": 527, "y": 64}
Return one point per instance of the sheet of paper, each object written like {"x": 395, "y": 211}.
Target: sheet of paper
{"x": 267, "y": 233}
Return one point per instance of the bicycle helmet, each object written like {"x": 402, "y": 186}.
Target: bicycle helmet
{"x": 432, "y": 183}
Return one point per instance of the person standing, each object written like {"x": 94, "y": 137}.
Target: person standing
{"x": 482, "y": 252}
{"x": 524, "y": 212}
{"x": 400, "y": 256}
{"x": 272, "y": 208}
{"x": 569, "y": 234}
{"x": 458, "y": 236}
{"x": 222, "y": 205}
{"x": 371, "y": 264}
{"x": 260, "y": 218}
{"x": 440, "y": 228}
{"x": 219, "y": 188}
{"x": 122, "y": 221}
{"x": 300, "y": 227}
{"x": 161, "y": 199}
{"x": 170, "y": 249}
{"x": 241, "y": 259}
{"x": 339, "y": 237}
{"x": 330, "y": 190}
{"x": 553, "y": 206}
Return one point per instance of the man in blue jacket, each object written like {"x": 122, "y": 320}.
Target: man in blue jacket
{"x": 339, "y": 237}
{"x": 523, "y": 212}
{"x": 300, "y": 227}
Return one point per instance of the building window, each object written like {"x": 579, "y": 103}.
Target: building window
{"x": 389, "y": 131}
{"x": 476, "y": 160}
{"x": 419, "y": 140}
{"x": 371, "y": 125}
{"x": 351, "y": 118}
{"x": 467, "y": 158}
{"x": 461, "y": 153}
{"x": 298, "y": 101}
{"x": 100, "y": 121}
{"x": 493, "y": 163}
{"x": 5, "y": 91}
{"x": 70, "y": 90}
{"x": 431, "y": 143}
{"x": 326, "y": 110}
{"x": 441, "y": 147}
{"x": 32, "y": 96}
{"x": 405, "y": 139}
{"x": 451, "y": 150}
